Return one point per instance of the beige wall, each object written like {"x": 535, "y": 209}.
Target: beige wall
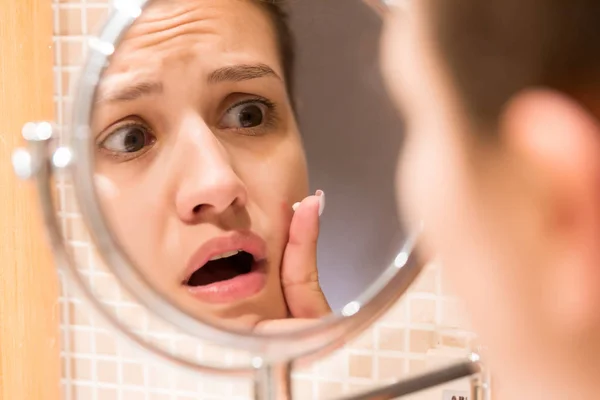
{"x": 422, "y": 331}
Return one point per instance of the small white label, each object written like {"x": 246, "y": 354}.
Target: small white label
{"x": 455, "y": 395}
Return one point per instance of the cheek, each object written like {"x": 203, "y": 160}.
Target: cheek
{"x": 435, "y": 182}
{"x": 276, "y": 181}
{"x": 431, "y": 193}
{"x": 419, "y": 176}
{"x": 126, "y": 202}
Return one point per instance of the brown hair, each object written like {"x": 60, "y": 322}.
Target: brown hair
{"x": 285, "y": 41}
{"x": 496, "y": 48}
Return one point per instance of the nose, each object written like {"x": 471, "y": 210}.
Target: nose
{"x": 209, "y": 184}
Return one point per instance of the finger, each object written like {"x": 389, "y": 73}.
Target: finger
{"x": 299, "y": 274}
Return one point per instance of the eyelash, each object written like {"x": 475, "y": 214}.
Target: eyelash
{"x": 124, "y": 125}
{"x": 270, "y": 119}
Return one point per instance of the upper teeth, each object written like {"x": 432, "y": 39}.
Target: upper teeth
{"x": 225, "y": 255}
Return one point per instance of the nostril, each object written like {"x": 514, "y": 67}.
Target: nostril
{"x": 196, "y": 209}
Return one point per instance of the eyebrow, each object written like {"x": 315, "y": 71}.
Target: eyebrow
{"x": 235, "y": 73}
{"x": 242, "y": 72}
{"x": 131, "y": 92}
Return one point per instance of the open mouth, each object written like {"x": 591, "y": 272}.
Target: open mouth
{"x": 227, "y": 269}
{"x": 221, "y": 268}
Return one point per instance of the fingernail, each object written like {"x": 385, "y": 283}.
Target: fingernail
{"x": 321, "y": 195}
{"x": 295, "y": 206}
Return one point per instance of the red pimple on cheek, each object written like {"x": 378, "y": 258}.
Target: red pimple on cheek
{"x": 286, "y": 209}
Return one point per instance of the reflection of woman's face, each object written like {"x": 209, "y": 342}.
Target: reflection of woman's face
{"x": 198, "y": 155}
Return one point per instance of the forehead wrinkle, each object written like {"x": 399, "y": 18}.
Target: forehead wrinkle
{"x": 163, "y": 37}
{"x": 177, "y": 31}
{"x": 159, "y": 25}
{"x": 157, "y": 18}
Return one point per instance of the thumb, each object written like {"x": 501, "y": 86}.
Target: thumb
{"x": 299, "y": 274}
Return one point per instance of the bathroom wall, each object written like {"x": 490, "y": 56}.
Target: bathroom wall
{"x": 424, "y": 330}
{"x": 352, "y": 134}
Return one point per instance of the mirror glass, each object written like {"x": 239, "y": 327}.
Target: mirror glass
{"x": 245, "y": 154}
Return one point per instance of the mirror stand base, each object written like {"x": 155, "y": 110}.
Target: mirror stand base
{"x": 481, "y": 386}
{"x": 273, "y": 382}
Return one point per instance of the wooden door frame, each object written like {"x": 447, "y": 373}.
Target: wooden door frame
{"x": 29, "y": 311}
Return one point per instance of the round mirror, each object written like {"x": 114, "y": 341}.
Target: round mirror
{"x": 234, "y": 162}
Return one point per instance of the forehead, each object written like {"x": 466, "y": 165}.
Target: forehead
{"x": 209, "y": 33}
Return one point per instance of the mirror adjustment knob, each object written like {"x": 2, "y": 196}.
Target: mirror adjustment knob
{"x": 37, "y": 131}
{"x": 24, "y": 160}
{"x": 22, "y": 164}
{"x": 62, "y": 157}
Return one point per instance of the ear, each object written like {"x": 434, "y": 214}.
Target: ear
{"x": 560, "y": 140}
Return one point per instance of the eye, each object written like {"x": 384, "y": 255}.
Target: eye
{"x": 246, "y": 115}
{"x": 128, "y": 140}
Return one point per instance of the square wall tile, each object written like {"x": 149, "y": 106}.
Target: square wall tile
{"x": 392, "y": 339}
{"x": 106, "y": 343}
{"x": 64, "y": 367}
{"x": 364, "y": 341}
{"x": 69, "y": 22}
{"x": 397, "y": 314}
{"x": 357, "y": 388}
{"x": 79, "y": 313}
{"x": 107, "y": 371}
{"x": 455, "y": 341}
{"x": 159, "y": 396}
{"x": 329, "y": 390}
{"x": 66, "y": 77}
{"x": 158, "y": 378}
{"x": 75, "y": 229}
{"x": 422, "y": 311}
{"x": 107, "y": 287}
{"x": 133, "y": 373}
{"x": 71, "y": 52}
{"x": 81, "y": 256}
{"x": 333, "y": 366}
{"x": 242, "y": 388}
{"x": 417, "y": 366}
{"x": 360, "y": 366}
{"x": 67, "y": 110}
{"x": 81, "y": 369}
{"x": 95, "y": 18}
{"x": 133, "y": 395}
{"x": 107, "y": 394}
{"x": 133, "y": 317}
{"x": 421, "y": 341}
{"x": 185, "y": 382}
{"x": 82, "y": 392}
{"x": 303, "y": 389}
{"x": 81, "y": 341}
{"x": 218, "y": 387}
{"x": 426, "y": 282}
{"x": 391, "y": 368}
{"x": 452, "y": 314}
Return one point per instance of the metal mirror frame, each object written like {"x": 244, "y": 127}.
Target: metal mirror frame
{"x": 356, "y": 316}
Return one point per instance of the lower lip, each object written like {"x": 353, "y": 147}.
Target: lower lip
{"x": 239, "y": 288}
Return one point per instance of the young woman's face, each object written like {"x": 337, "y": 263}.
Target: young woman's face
{"x": 198, "y": 153}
